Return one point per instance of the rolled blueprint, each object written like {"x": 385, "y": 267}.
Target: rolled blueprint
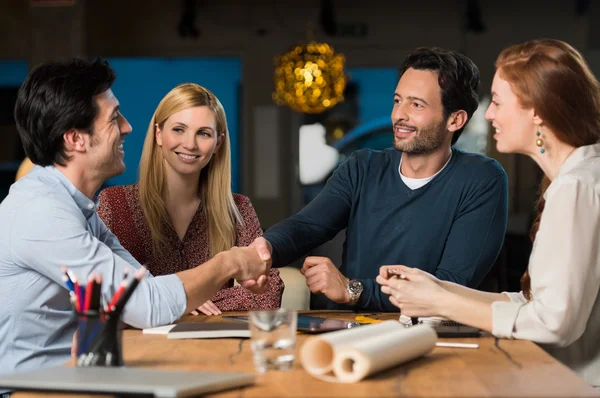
{"x": 348, "y": 356}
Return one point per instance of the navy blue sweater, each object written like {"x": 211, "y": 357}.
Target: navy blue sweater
{"x": 453, "y": 227}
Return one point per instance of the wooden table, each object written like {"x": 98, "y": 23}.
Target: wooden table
{"x": 512, "y": 368}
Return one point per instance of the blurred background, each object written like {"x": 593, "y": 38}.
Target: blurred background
{"x": 283, "y": 153}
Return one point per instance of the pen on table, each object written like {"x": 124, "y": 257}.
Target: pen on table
{"x": 456, "y": 345}
{"x": 366, "y": 319}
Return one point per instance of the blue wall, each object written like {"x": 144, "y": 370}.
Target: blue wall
{"x": 376, "y": 88}
{"x": 13, "y": 72}
{"x": 141, "y": 84}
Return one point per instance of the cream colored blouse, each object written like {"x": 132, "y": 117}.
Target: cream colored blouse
{"x": 564, "y": 314}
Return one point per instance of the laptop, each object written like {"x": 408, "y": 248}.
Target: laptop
{"x": 123, "y": 380}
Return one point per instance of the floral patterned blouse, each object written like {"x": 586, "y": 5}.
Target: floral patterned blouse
{"x": 121, "y": 211}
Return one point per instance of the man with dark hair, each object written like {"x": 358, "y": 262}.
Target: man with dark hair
{"x": 423, "y": 203}
{"x": 71, "y": 127}
{"x": 457, "y": 76}
{"x": 59, "y": 98}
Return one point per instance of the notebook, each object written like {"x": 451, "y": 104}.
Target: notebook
{"x": 208, "y": 330}
{"x": 123, "y": 380}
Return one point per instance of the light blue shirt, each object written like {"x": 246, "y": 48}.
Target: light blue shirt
{"x": 45, "y": 222}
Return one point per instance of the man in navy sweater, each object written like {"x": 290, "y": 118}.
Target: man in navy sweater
{"x": 422, "y": 203}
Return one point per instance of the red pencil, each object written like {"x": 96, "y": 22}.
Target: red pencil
{"x": 117, "y": 294}
{"x": 89, "y": 291}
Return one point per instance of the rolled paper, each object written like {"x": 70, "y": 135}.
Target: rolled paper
{"x": 350, "y": 355}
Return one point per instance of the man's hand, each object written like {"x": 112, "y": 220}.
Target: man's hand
{"x": 264, "y": 249}
{"x": 208, "y": 308}
{"x": 322, "y": 276}
{"x": 252, "y": 271}
{"x": 247, "y": 263}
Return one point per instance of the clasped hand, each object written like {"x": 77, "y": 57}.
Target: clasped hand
{"x": 415, "y": 292}
{"x": 254, "y": 266}
{"x": 258, "y": 286}
{"x": 322, "y": 276}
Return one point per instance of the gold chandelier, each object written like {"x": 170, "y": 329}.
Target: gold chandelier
{"x": 310, "y": 78}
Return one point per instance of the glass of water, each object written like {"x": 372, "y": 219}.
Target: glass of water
{"x": 273, "y": 337}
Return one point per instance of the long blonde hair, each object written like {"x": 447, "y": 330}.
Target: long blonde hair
{"x": 215, "y": 178}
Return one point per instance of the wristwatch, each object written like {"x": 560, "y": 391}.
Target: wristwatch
{"x": 355, "y": 289}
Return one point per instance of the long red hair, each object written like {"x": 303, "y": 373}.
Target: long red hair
{"x": 552, "y": 77}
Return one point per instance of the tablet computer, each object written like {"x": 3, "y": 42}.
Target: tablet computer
{"x": 310, "y": 324}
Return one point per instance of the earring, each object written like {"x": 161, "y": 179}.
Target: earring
{"x": 540, "y": 142}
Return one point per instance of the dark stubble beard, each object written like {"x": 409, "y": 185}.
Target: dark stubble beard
{"x": 425, "y": 140}
{"x": 108, "y": 168}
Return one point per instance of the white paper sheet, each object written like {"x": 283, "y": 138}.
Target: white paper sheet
{"x": 158, "y": 330}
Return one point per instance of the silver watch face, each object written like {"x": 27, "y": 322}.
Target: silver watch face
{"x": 355, "y": 286}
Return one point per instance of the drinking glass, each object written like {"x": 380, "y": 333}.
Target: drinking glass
{"x": 273, "y": 337}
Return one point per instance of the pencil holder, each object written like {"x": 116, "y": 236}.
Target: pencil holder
{"x": 99, "y": 339}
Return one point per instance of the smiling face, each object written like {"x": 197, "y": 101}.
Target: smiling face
{"x": 105, "y": 147}
{"x": 514, "y": 126}
{"x": 418, "y": 113}
{"x": 188, "y": 139}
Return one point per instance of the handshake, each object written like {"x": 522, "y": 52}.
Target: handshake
{"x": 322, "y": 276}
{"x": 252, "y": 264}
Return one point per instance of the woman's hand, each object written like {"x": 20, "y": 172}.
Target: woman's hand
{"x": 415, "y": 292}
{"x": 208, "y": 308}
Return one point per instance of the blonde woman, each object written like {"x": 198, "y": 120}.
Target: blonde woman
{"x": 182, "y": 211}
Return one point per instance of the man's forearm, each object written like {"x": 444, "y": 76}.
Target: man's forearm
{"x": 290, "y": 240}
{"x": 202, "y": 282}
{"x": 317, "y": 223}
